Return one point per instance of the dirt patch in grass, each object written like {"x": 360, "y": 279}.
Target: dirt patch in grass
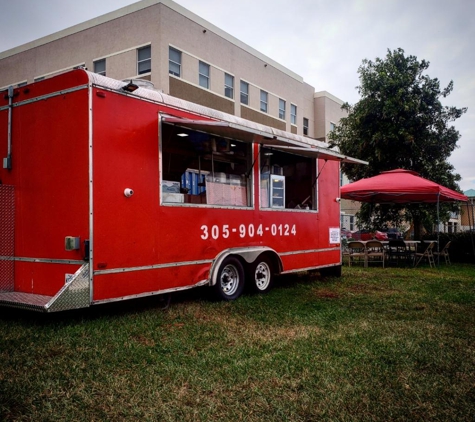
{"x": 144, "y": 341}
{"x": 250, "y": 331}
{"x": 326, "y": 294}
{"x": 371, "y": 288}
{"x": 355, "y": 289}
{"x": 245, "y": 329}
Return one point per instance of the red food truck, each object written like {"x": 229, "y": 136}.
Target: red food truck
{"x": 111, "y": 190}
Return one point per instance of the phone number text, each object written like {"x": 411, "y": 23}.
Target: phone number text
{"x": 246, "y": 230}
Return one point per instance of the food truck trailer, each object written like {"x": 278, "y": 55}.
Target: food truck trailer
{"x": 111, "y": 190}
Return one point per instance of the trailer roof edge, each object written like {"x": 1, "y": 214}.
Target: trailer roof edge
{"x": 269, "y": 135}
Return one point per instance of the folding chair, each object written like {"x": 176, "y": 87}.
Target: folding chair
{"x": 357, "y": 253}
{"x": 445, "y": 253}
{"x": 427, "y": 254}
{"x": 375, "y": 251}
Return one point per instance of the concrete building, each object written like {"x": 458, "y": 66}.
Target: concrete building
{"x": 348, "y": 209}
{"x": 185, "y": 56}
{"x": 468, "y": 211}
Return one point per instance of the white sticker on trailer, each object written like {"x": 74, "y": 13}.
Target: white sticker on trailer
{"x": 334, "y": 235}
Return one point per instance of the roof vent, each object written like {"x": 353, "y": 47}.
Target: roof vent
{"x": 141, "y": 83}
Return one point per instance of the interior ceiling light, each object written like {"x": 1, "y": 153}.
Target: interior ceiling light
{"x": 182, "y": 135}
{"x": 130, "y": 87}
{"x": 233, "y": 145}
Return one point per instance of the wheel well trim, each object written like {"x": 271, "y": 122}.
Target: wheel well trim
{"x": 249, "y": 255}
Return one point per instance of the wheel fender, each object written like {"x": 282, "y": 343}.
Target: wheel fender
{"x": 248, "y": 255}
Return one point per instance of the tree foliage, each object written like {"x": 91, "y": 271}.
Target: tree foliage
{"x": 399, "y": 122}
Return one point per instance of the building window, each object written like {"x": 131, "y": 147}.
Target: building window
{"x": 22, "y": 84}
{"x": 293, "y": 114}
{"x": 281, "y": 109}
{"x": 100, "y": 67}
{"x": 244, "y": 93}
{"x": 264, "y": 101}
{"x": 174, "y": 62}
{"x": 228, "y": 85}
{"x": 39, "y": 78}
{"x": 305, "y": 126}
{"x": 332, "y": 126}
{"x": 144, "y": 60}
{"x": 204, "y": 75}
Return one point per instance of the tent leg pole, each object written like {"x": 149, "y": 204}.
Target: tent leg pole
{"x": 471, "y": 225}
{"x": 438, "y": 230}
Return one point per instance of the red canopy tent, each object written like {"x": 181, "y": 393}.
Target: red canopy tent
{"x": 399, "y": 186}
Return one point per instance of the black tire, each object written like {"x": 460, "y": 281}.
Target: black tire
{"x": 230, "y": 279}
{"x": 334, "y": 271}
{"x": 261, "y": 274}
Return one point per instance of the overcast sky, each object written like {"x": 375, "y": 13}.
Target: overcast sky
{"x": 324, "y": 41}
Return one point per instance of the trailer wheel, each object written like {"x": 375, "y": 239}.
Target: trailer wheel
{"x": 262, "y": 274}
{"x": 230, "y": 280}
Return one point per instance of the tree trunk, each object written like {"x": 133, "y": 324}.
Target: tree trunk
{"x": 417, "y": 228}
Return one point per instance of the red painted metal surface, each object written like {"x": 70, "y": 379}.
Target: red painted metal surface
{"x": 137, "y": 231}
{"x": 62, "y": 82}
{"x": 50, "y": 177}
{"x": 138, "y": 245}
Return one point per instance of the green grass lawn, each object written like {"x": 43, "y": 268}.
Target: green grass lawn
{"x": 376, "y": 345}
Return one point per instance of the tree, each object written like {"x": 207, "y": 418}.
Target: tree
{"x": 399, "y": 122}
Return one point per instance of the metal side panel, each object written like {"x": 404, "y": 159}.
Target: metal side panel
{"x": 74, "y": 295}
{"x": 7, "y": 237}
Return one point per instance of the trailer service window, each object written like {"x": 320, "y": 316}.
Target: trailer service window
{"x": 287, "y": 180}
{"x": 202, "y": 168}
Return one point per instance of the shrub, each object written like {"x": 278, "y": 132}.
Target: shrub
{"x": 462, "y": 248}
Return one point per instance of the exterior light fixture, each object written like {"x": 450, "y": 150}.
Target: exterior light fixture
{"x": 130, "y": 87}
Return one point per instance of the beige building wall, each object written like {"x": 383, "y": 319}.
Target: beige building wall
{"x": 467, "y": 214}
{"x": 328, "y": 112}
{"x": 116, "y": 37}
